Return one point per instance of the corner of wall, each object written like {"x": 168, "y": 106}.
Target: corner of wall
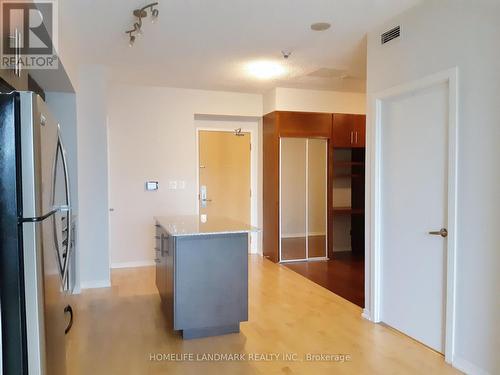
{"x": 269, "y": 101}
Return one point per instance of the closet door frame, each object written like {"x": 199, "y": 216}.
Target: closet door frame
{"x": 327, "y": 201}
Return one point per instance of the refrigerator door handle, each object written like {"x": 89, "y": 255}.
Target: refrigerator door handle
{"x": 67, "y": 209}
{"x": 38, "y": 219}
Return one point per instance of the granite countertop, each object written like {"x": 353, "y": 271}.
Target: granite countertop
{"x": 192, "y": 226}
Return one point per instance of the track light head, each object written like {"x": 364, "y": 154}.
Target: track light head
{"x": 138, "y": 30}
{"x": 131, "y": 41}
{"x": 154, "y": 15}
{"x": 141, "y": 13}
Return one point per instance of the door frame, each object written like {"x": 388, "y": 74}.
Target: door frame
{"x": 374, "y": 250}
{"x": 254, "y": 162}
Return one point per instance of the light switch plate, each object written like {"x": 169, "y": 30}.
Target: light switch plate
{"x": 181, "y": 184}
{"x": 172, "y": 185}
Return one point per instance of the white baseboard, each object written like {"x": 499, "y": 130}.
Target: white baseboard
{"x": 140, "y": 263}
{"x": 77, "y": 290}
{"x": 467, "y": 367}
{"x": 366, "y": 315}
{"x": 95, "y": 284}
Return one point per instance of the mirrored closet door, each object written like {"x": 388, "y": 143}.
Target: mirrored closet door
{"x": 303, "y": 197}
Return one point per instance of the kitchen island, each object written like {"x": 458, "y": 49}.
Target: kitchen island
{"x": 202, "y": 274}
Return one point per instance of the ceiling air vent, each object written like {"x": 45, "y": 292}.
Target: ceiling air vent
{"x": 390, "y": 35}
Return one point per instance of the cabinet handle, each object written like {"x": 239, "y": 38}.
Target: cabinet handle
{"x": 14, "y": 38}
{"x": 351, "y": 137}
{"x": 19, "y": 66}
{"x": 16, "y": 43}
{"x": 162, "y": 250}
{"x": 356, "y": 138}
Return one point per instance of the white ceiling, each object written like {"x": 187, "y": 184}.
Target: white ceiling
{"x": 205, "y": 43}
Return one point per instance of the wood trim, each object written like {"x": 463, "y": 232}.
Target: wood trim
{"x": 305, "y": 124}
{"x": 329, "y": 197}
{"x": 270, "y": 193}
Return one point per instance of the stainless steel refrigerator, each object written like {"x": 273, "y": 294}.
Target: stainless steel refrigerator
{"x": 35, "y": 237}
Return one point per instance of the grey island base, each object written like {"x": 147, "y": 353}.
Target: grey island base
{"x": 202, "y": 274}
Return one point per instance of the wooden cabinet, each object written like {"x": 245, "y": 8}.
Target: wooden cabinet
{"x": 15, "y": 76}
{"x": 348, "y": 131}
{"x": 343, "y": 131}
{"x": 15, "y": 80}
{"x": 287, "y": 124}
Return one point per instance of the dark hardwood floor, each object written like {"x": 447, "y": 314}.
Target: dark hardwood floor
{"x": 344, "y": 275}
{"x": 295, "y": 247}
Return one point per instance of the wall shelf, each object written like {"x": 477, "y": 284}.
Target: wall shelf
{"x": 348, "y": 210}
{"x": 344, "y": 163}
{"x": 349, "y": 175}
{"x": 348, "y": 184}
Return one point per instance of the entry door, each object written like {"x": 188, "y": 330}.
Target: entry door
{"x": 224, "y": 161}
{"x": 414, "y": 194}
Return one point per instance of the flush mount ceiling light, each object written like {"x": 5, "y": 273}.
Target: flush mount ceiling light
{"x": 141, "y": 13}
{"x": 320, "y": 26}
{"x": 265, "y": 69}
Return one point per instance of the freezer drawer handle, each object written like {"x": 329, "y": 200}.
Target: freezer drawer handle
{"x": 68, "y": 309}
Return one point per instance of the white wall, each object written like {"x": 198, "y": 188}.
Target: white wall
{"x": 92, "y": 177}
{"x": 152, "y": 137}
{"x": 438, "y": 35}
{"x": 284, "y": 99}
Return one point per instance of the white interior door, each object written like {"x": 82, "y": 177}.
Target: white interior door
{"x": 414, "y": 196}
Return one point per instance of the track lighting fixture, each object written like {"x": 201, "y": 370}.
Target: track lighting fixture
{"x": 136, "y": 30}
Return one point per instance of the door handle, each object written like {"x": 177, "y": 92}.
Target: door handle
{"x": 206, "y": 200}
{"x": 442, "y": 232}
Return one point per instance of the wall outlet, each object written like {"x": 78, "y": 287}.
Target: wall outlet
{"x": 172, "y": 185}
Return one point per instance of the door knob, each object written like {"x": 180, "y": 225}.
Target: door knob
{"x": 442, "y": 232}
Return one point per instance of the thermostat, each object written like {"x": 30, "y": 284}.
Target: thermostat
{"x": 151, "y": 185}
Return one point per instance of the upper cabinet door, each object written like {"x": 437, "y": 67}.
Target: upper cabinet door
{"x": 348, "y": 131}
{"x": 304, "y": 124}
{"x": 342, "y": 135}
{"x": 358, "y": 128}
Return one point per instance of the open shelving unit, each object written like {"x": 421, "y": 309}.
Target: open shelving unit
{"x": 348, "y": 203}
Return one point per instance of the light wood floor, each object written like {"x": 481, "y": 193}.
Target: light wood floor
{"x": 117, "y": 328}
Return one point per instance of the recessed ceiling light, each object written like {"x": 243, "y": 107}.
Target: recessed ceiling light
{"x": 265, "y": 69}
{"x": 320, "y": 26}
